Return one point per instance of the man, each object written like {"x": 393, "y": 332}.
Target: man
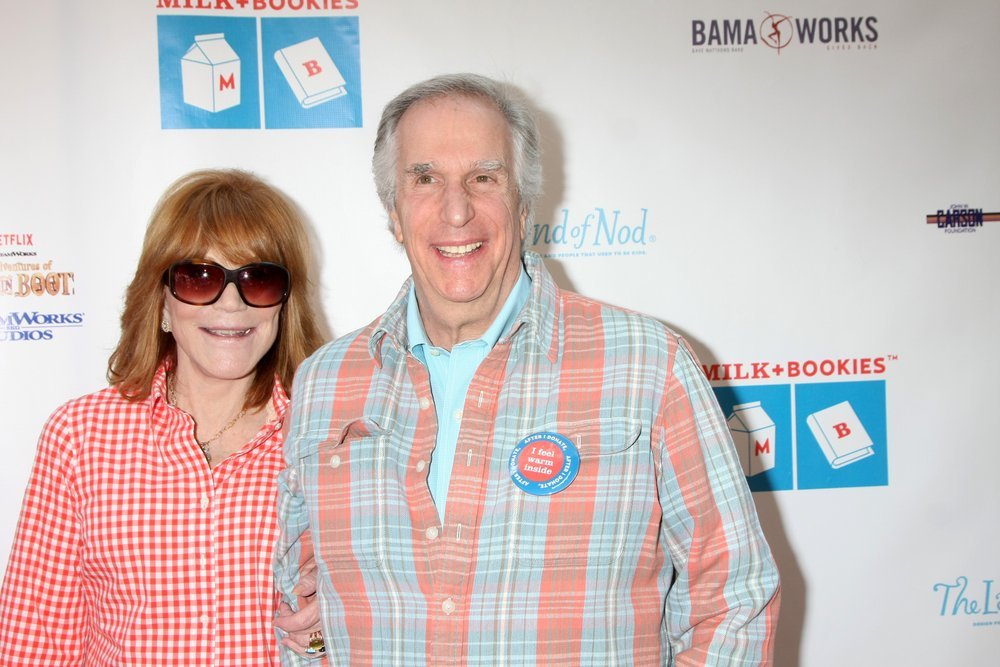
{"x": 497, "y": 471}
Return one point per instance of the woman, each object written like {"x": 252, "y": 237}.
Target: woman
{"x": 148, "y": 525}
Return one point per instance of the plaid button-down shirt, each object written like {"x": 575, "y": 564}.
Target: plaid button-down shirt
{"x": 130, "y": 551}
{"x": 652, "y": 556}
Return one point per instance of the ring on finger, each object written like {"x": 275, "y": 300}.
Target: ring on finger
{"x": 316, "y": 643}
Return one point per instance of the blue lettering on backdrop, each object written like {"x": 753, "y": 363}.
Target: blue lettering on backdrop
{"x": 958, "y": 600}
{"x": 599, "y": 232}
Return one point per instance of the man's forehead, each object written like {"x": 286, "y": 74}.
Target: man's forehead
{"x": 436, "y": 119}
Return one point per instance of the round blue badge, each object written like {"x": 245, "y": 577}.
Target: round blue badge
{"x": 544, "y": 463}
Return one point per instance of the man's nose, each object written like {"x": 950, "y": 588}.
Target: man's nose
{"x": 457, "y": 208}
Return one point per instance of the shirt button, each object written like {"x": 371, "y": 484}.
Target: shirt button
{"x": 335, "y": 461}
{"x": 431, "y": 533}
{"x": 421, "y": 464}
{"x": 435, "y": 352}
{"x": 425, "y": 403}
{"x": 448, "y": 606}
{"x": 457, "y": 415}
{"x": 205, "y": 502}
{"x": 203, "y": 561}
{"x": 204, "y": 619}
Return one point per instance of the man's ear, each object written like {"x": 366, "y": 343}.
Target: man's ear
{"x": 397, "y": 226}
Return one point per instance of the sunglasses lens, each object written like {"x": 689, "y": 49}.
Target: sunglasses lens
{"x": 197, "y": 284}
{"x": 263, "y": 285}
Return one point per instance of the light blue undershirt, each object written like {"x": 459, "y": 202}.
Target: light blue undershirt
{"x": 450, "y": 374}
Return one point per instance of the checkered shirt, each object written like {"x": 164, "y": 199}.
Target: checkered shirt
{"x": 653, "y": 555}
{"x": 131, "y": 551}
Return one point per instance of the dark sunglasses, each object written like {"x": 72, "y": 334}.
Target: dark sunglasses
{"x": 200, "y": 282}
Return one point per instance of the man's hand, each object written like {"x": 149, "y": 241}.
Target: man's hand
{"x": 305, "y": 634}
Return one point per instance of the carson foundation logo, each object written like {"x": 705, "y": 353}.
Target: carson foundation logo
{"x": 961, "y": 219}
{"x": 779, "y": 32}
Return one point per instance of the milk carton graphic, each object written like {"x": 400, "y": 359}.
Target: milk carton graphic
{"x": 210, "y": 74}
{"x": 754, "y": 435}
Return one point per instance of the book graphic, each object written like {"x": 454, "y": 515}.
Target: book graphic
{"x": 840, "y": 434}
{"x": 210, "y": 74}
{"x": 310, "y": 72}
{"x": 753, "y": 434}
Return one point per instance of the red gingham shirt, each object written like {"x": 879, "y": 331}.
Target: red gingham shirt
{"x": 131, "y": 551}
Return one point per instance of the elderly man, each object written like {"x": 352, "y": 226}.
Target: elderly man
{"x": 497, "y": 471}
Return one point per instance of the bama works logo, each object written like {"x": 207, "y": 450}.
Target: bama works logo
{"x": 781, "y": 31}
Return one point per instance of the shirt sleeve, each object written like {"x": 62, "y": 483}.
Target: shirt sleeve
{"x": 294, "y": 545}
{"x": 723, "y": 604}
{"x": 42, "y": 606}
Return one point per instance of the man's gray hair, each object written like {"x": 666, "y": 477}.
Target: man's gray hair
{"x": 527, "y": 168}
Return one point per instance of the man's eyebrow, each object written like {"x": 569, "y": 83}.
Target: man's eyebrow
{"x": 419, "y": 168}
{"x": 491, "y": 165}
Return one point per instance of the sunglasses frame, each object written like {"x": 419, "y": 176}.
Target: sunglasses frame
{"x": 231, "y": 276}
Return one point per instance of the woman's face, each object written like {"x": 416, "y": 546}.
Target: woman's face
{"x": 224, "y": 340}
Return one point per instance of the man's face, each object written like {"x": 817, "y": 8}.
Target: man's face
{"x": 456, "y": 211}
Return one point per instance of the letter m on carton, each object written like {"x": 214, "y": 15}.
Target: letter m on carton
{"x": 210, "y": 74}
{"x": 754, "y": 436}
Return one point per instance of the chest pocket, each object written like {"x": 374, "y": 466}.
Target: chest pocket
{"x": 603, "y": 514}
{"x": 354, "y": 475}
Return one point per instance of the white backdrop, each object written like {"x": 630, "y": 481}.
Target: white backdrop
{"x": 785, "y": 194}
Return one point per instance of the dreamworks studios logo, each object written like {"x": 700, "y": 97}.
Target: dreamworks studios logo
{"x": 35, "y": 326}
{"x": 598, "y": 232}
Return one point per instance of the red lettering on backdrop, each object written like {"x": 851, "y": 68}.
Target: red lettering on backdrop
{"x": 842, "y": 429}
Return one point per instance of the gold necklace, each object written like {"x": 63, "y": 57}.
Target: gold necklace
{"x": 203, "y": 444}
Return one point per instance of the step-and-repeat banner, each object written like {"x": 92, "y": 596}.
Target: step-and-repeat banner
{"x": 808, "y": 191}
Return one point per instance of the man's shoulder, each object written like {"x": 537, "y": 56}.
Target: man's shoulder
{"x": 614, "y": 321}
{"x": 334, "y": 352}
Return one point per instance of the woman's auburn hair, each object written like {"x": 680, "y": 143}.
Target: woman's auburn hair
{"x": 239, "y": 216}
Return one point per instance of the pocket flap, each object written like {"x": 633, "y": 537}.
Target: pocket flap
{"x": 310, "y": 443}
{"x": 600, "y": 437}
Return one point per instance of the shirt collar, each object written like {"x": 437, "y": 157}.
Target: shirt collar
{"x": 503, "y": 322}
{"x": 538, "y": 317}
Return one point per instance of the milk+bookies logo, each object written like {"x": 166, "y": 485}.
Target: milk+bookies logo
{"x": 824, "y": 429}
{"x": 237, "y": 72}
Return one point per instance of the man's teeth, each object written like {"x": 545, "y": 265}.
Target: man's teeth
{"x": 234, "y": 333}
{"x": 458, "y": 250}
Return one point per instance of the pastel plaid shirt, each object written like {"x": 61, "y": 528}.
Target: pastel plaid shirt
{"x": 131, "y": 551}
{"x": 653, "y": 555}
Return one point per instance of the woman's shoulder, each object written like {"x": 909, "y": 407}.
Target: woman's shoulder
{"x": 108, "y": 400}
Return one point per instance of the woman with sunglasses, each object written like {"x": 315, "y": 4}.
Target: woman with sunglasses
{"x": 149, "y": 522}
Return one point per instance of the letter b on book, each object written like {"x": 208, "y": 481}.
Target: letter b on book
{"x": 840, "y": 434}
{"x": 310, "y": 72}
